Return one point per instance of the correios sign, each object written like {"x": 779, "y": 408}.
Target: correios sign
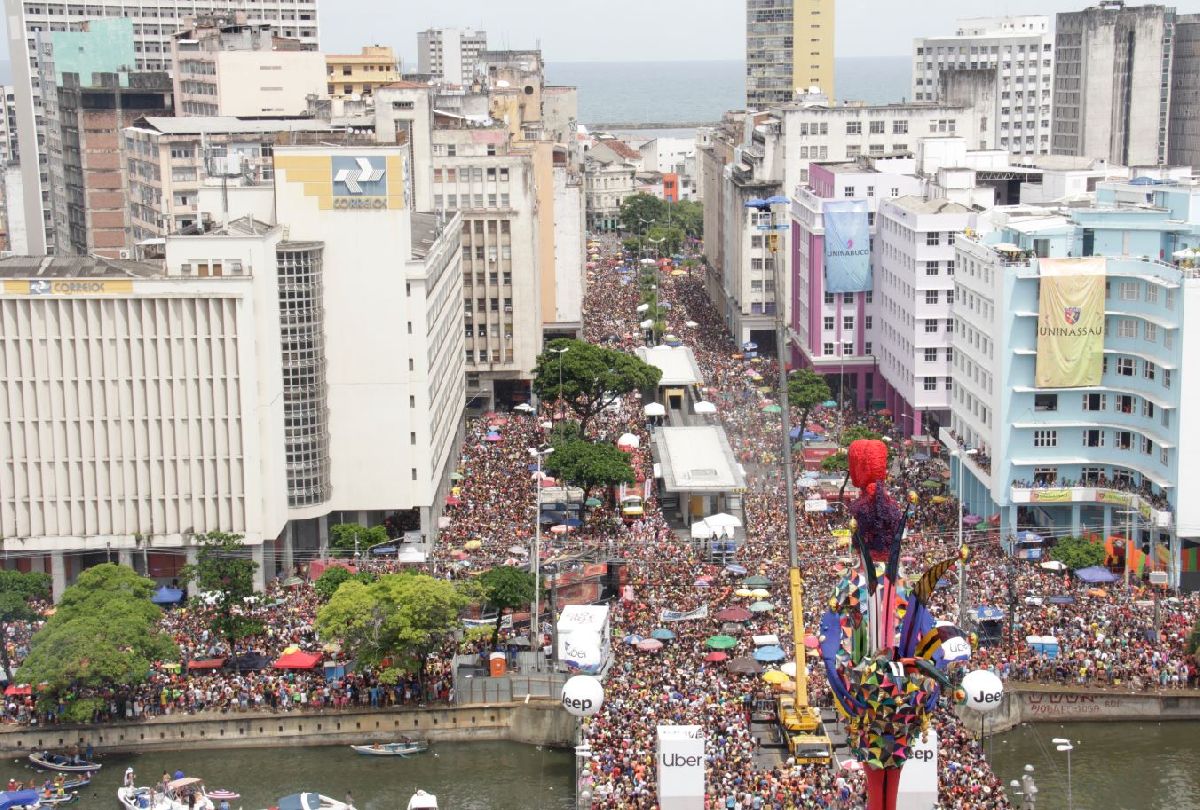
{"x": 359, "y": 183}
{"x": 681, "y": 765}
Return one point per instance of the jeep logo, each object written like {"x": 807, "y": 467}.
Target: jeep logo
{"x": 583, "y": 705}
{"x": 922, "y": 755}
{"x": 988, "y": 697}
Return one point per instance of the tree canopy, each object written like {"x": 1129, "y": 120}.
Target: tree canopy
{"x": 17, "y": 592}
{"x": 222, "y": 568}
{"x": 103, "y": 634}
{"x": 1078, "y": 552}
{"x": 588, "y": 464}
{"x": 806, "y": 390}
{"x": 593, "y": 377}
{"x": 506, "y": 588}
{"x": 398, "y": 617}
{"x": 853, "y": 434}
{"x": 342, "y": 536}
{"x": 839, "y": 462}
{"x": 332, "y": 578}
{"x": 644, "y": 214}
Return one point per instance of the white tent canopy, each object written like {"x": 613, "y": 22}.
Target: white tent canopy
{"x": 654, "y": 409}
{"x": 629, "y": 440}
{"x": 723, "y": 520}
{"x": 704, "y": 407}
{"x": 701, "y": 531}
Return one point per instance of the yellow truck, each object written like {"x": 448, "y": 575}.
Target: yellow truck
{"x": 810, "y": 748}
{"x": 804, "y": 720}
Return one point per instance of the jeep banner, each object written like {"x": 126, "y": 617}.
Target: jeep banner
{"x": 847, "y": 247}
{"x": 1070, "y": 331}
{"x": 919, "y": 779}
{"x": 681, "y": 767}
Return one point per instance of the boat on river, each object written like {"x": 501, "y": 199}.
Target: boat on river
{"x": 310, "y": 801}
{"x": 175, "y": 797}
{"x": 46, "y": 761}
{"x": 401, "y": 748}
{"x": 20, "y": 799}
{"x": 422, "y": 801}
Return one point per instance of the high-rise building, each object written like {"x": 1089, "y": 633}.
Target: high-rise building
{"x": 1183, "y": 126}
{"x": 28, "y": 25}
{"x": 225, "y": 65}
{"x": 789, "y": 48}
{"x": 8, "y": 125}
{"x": 450, "y": 54}
{"x": 1112, "y": 83}
{"x": 1005, "y": 61}
{"x": 359, "y": 74}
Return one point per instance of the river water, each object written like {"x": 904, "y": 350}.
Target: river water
{"x": 1115, "y": 766}
{"x": 464, "y": 776}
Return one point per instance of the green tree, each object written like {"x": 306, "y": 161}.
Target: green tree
{"x": 17, "y": 592}
{"x": 688, "y": 215}
{"x": 592, "y": 377}
{"x": 839, "y": 462}
{"x": 806, "y": 390}
{"x": 399, "y": 617}
{"x": 639, "y": 211}
{"x": 507, "y": 588}
{"x": 1078, "y": 552}
{"x": 222, "y": 568}
{"x": 853, "y": 434}
{"x": 664, "y": 240}
{"x": 103, "y": 634}
{"x": 342, "y": 536}
{"x": 332, "y": 578}
{"x": 589, "y": 464}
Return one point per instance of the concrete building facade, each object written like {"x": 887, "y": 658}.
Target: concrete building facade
{"x": 360, "y": 74}
{"x": 789, "y": 49}
{"x": 1183, "y": 125}
{"x": 1004, "y": 67}
{"x": 152, "y": 45}
{"x": 450, "y": 54}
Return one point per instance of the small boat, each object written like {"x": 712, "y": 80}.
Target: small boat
{"x": 57, "y": 762}
{"x": 422, "y": 801}
{"x": 54, "y": 800}
{"x": 77, "y": 782}
{"x": 401, "y": 748}
{"x": 174, "y": 798}
{"x": 310, "y": 801}
{"x": 19, "y": 799}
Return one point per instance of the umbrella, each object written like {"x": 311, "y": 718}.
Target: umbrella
{"x": 519, "y": 551}
{"x": 1096, "y": 574}
{"x": 767, "y": 654}
{"x": 1053, "y": 565}
{"x": 929, "y": 483}
{"x": 457, "y": 476}
{"x": 629, "y": 440}
{"x": 679, "y": 272}
{"x": 851, "y": 765}
{"x": 774, "y": 676}
{"x": 559, "y": 529}
{"x": 972, "y": 520}
{"x": 472, "y": 545}
{"x": 772, "y": 409}
{"x": 756, "y": 581}
{"x": 761, "y": 607}
{"x": 702, "y": 583}
{"x": 829, "y": 403}
{"x": 633, "y": 638}
{"x": 721, "y": 519}
{"x": 811, "y": 641}
{"x": 691, "y": 324}
{"x": 493, "y": 437}
{"x": 524, "y": 407}
{"x": 733, "y": 614}
{"x": 735, "y": 569}
{"x": 704, "y": 406}
{"x": 662, "y": 634}
{"x": 744, "y": 593}
{"x": 721, "y": 642}
{"x": 654, "y": 409}
{"x": 716, "y": 656}
{"x": 166, "y": 596}
{"x": 760, "y": 593}
{"x": 593, "y": 502}
{"x": 744, "y": 666}
{"x": 789, "y": 669}
{"x": 649, "y": 645}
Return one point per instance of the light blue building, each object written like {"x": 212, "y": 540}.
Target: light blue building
{"x": 1119, "y": 457}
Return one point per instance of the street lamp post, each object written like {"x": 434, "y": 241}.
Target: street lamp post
{"x": 559, "y": 405}
{"x": 962, "y": 564}
{"x": 1131, "y": 527}
{"x": 535, "y": 623}
{"x": 657, "y": 258}
{"x": 1064, "y": 745}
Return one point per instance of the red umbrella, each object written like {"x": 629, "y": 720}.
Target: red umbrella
{"x": 734, "y": 614}
{"x": 716, "y": 656}
{"x": 18, "y": 689}
{"x": 812, "y": 642}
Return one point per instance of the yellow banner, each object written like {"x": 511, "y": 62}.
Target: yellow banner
{"x": 1070, "y": 344}
{"x": 1050, "y": 496}
{"x": 840, "y": 532}
{"x": 71, "y": 286}
{"x": 1108, "y": 496}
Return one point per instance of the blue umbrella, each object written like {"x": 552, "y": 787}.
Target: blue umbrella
{"x": 662, "y": 634}
{"x": 632, "y": 638}
{"x": 735, "y": 569}
{"x": 769, "y": 653}
{"x": 166, "y": 596}
{"x": 808, "y": 434}
{"x": 829, "y": 403}
{"x": 795, "y": 433}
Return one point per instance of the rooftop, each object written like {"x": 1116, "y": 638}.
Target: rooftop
{"x": 677, "y": 364}
{"x": 76, "y": 267}
{"x": 920, "y": 205}
{"x": 425, "y": 231}
{"x": 213, "y": 124}
{"x": 697, "y": 459}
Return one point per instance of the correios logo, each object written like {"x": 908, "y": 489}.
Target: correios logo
{"x": 358, "y": 177}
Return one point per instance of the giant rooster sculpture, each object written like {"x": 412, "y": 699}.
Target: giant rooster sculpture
{"x": 881, "y": 647}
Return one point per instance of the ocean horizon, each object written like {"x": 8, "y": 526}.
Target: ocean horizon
{"x": 701, "y": 91}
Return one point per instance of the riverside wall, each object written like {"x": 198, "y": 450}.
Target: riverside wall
{"x": 536, "y": 722}
{"x": 1025, "y": 703}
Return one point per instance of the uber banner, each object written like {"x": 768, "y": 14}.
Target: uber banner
{"x": 681, "y": 767}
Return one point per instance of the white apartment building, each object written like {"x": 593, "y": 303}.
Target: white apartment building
{"x": 914, "y": 297}
{"x": 8, "y": 124}
{"x": 224, "y": 65}
{"x": 153, "y": 29}
{"x": 450, "y": 54}
{"x": 1003, "y": 66}
{"x": 607, "y": 182}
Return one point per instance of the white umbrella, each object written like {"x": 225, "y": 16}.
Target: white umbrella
{"x": 629, "y": 440}
{"x": 524, "y": 407}
{"x": 643, "y": 307}
{"x": 691, "y": 324}
{"x": 647, "y": 261}
{"x": 654, "y": 409}
{"x": 701, "y": 531}
{"x": 789, "y": 669}
{"x": 646, "y": 324}
{"x": 704, "y": 407}
{"x": 722, "y": 519}
{"x": 1052, "y": 565}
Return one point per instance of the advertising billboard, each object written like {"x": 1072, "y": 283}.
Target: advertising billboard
{"x": 919, "y": 778}
{"x": 1070, "y": 338}
{"x": 681, "y": 767}
{"x": 847, "y": 247}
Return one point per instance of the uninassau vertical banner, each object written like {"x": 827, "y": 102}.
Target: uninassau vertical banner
{"x": 1070, "y": 343}
{"x": 847, "y": 247}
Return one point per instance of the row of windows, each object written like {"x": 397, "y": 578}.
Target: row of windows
{"x": 1098, "y": 437}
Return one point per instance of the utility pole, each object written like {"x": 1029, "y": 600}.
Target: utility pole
{"x": 962, "y": 564}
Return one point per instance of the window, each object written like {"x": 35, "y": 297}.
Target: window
{"x": 827, "y": 349}
{"x": 877, "y": 127}
{"x": 950, "y": 268}
{"x": 847, "y": 350}
{"x": 899, "y": 127}
{"x": 1149, "y": 370}
{"x": 868, "y": 348}
{"x": 1123, "y": 439}
{"x": 931, "y": 296}
{"x": 933, "y": 238}
{"x": 1147, "y": 409}
{"x": 1151, "y": 332}
{"x": 950, "y": 387}
{"x": 868, "y": 323}
{"x": 949, "y": 355}
{"x": 848, "y": 298}
{"x": 1045, "y": 438}
{"x": 929, "y": 383}
{"x": 949, "y": 296}
{"x": 1124, "y": 403}
{"x": 828, "y": 298}
{"x": 931, "y": 325}
{"x": 1129, "y": 291}
{"x": 1126, "y": 328}
{"x": 1151, "y": 293}
{"x": 1045, "y": 402}
{"x": 854, "y": 127}
{"x": 1090, "y": 475}
{"x": 1125, "y": 366}
{"x": 848, "y": 191}
{"x": 930, "y": 355}
{"x": 828, "y": 322}
{"x": 848, "y": 322}
{"x": 1166, "y": 378}
{"x": 1093, "y": 438}
{"x": 1044, "y": 476}
{"x": 931, "y": 268}
{"x": 1162, "y": 456}
{"x": 1147, "y": 445}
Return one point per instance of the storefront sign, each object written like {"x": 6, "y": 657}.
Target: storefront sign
{"x": 74, "y": 286}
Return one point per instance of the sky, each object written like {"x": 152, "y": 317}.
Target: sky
{"x": 648, "y": 30}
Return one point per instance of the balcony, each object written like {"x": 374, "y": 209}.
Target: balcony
{"x": 1152, "y": 511}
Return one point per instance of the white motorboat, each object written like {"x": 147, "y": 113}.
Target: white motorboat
{"x": 402, "y": 748}
{"x": 175, "y": 797}
{"x": 310, "y": 801}
{"x": 422, "y": 801}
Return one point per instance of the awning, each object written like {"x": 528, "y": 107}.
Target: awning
{"x": 207, "y": 663}
{"x": 297, "y": 660}
{"x": 167, "y": 596}
{"x": 987, "y": 613}
{"x": 1095, "y": 574}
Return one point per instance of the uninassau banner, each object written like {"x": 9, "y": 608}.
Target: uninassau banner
{"x": 847, "y": 247}
{"x": 1070, "y": 344}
